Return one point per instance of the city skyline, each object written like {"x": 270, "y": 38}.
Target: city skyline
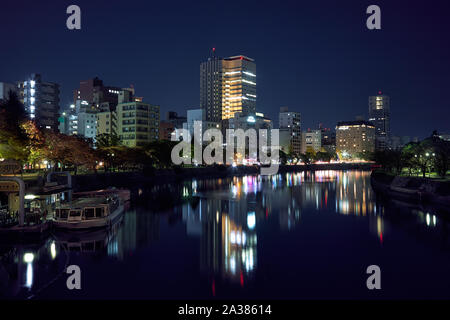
{"x": 316, "y": 73}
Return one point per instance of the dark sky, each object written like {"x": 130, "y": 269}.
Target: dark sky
{"x": 316, "y": 57}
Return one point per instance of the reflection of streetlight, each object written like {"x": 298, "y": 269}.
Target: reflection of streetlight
{"x": 53, "y": 250}
{"x": 28, "y": 257}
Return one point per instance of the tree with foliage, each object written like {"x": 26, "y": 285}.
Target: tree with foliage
{"x": 441, "y": 154}
{"x": 106, "y": 140}
{"x": 36, "y": 143}
{"x": 160, "y": 152}
{"x": 323, "y": 156}
{"x": 306, "y": 158}
{"x": 13, "y": 139}
{"x": 423, "y": 156}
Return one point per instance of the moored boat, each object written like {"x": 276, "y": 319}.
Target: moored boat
{"x": 89, "y": 213}
{"x": 123, "y": 194}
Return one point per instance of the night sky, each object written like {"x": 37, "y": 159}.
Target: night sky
{"x": 316, "y": 57}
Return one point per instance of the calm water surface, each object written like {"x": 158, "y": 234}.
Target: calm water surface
{"x": 300, "y": 235}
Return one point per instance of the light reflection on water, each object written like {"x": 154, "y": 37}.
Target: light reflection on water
{"x": 228, "y": 219}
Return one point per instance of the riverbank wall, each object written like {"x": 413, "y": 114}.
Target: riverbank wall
{"x": 412, "y": 189}
{"x": 166, "y": 176}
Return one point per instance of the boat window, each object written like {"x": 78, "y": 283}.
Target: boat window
{"x": 75, "y": 213}
{"x": 89, "y": 213}
{"x": 88, "y": 246}
{"x": 99, "y": 244}
{"x": 64, "y": 213}
{"x": 99, "y": 212}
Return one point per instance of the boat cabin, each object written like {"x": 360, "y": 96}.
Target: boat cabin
{"x": 87, "y": 209}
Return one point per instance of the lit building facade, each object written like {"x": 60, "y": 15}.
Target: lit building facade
{"x": 355, "y": 137}
{"x": 106, "y": 122}
{"x": 227, "y": 86}
{"x": 328, "y": 137}
{"x": 68, "y": 121}
{"x": 87, "y": 123}
{"x": 379, "y": 115}
{"x": 290, "y": 131}
{"x": 311, "y": 141}
{"x": 41, "y": 101}
{"x": 238, "y": 86}
{"x": 137, "y": 123}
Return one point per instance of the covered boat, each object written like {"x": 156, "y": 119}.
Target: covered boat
{"x": 89, "y": 213}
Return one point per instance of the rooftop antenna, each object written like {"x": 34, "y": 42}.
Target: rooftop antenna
{"x": 214, "y": 52}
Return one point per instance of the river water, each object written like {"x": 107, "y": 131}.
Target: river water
{"x": 290, "y": 236}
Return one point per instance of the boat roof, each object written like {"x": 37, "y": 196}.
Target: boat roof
{"x": 84, "y": 202}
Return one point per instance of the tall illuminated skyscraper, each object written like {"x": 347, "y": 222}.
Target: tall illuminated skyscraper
{"x": 379, "y": 115}
{"x": 211, "y": 88}
{"x": 238, "y": 86}
{"x": 227, "y": 86}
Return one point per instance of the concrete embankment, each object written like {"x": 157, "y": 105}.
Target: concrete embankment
{"x": 412, "y": 189}
{"x": 164, "y": 176}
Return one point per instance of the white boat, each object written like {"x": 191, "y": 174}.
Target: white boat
{"x": 89, "y": 213}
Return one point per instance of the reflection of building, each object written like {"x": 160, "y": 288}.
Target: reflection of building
{"x": 354, "y": 137}
{"x": 354, "y": 194}
{"x": 139, "y": 229}
{"x": 228, "y": 237}
{"x": 238, "y": 249}
{"x": 379, "y": 115}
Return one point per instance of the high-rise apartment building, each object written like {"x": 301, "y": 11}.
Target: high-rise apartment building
{"x": 290, "y": 133}
{"x": 5, "y": 88}
{"x": 328, "y": 137}
{"x": 379, "y": 115}
{"x": 211, "y": 88}
{"x": 41, "y": 101}
{"x": 166, "y": 129}
{"x": 106, "y": 122}
{"x": 87, "y": 122}
{"x": 137, "y": 123}
{"x": 94, "y": 92}
{"x": 227, "y": 86}
{"x": 68, "y": 121}
{"x": 311, "y": 141}
{"x": 355, "y": 137}
{"x": 175, "y": 119}
{"x": 238, "y": 86}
